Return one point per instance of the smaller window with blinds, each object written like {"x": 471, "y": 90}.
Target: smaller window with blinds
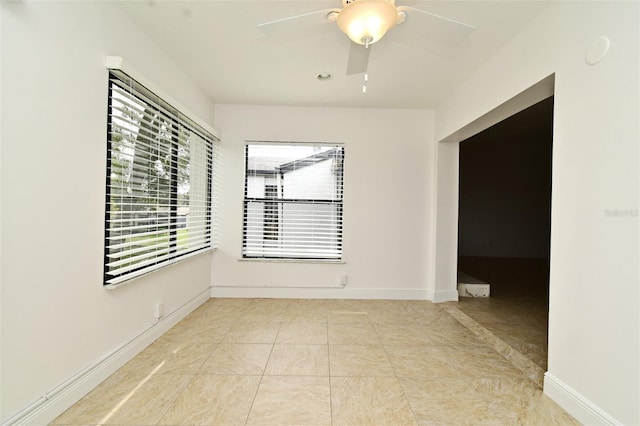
{"x": 293, "y": 201}
{"x": 159, "y": 183}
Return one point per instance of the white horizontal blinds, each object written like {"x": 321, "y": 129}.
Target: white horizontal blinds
{"x": 215, "y": 193}
{"x": 293, "y": 201}
{"x": 158, "y": 182}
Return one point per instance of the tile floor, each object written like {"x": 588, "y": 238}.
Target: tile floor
{"x": 518, "y": 322}
{"x": 322, "y": 362}
{"x": 518, "y": 310}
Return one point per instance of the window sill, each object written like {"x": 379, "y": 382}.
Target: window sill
{"x": 270, "y": 260}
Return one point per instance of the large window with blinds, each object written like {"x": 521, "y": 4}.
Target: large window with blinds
{"x": 293, "y": 201}
{"x": 159, "y": 183}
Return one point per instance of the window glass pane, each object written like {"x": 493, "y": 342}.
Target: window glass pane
{"x": 293, "y": 201}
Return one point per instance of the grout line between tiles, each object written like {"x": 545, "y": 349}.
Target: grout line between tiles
{"x": 395, "y": 375}
{"x": 255, "y": 395}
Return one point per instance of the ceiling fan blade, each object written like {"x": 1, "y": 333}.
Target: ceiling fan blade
{"x": 300, "y": 24}
{"x": 435, "y": 27}
{"x": 358, "y": 59}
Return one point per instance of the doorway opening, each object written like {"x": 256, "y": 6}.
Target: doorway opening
{"x": 504, "y": 227}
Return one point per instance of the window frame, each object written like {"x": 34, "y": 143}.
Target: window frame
{"x": 198, "y": 137}
{"x": 282, "y": 201}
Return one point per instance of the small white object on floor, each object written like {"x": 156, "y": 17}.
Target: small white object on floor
{"x": 469, "y": 286}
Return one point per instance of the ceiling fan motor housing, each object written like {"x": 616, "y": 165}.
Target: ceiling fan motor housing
{"x": 367, "y": 21}
{"x": 347, "y": 2}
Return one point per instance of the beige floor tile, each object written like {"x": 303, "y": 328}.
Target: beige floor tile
{"x": 420, "y": 361}
{"x": 345, "y": 305}
{"x": 389, "y": 311}
{"x": 292, "y": 400}
{"x": 127, "y": 400}
{"x": 540, "y": 410}
{"x": 173, "y": 357}
{"x": 214, "y": 400}
{"x": 447, "y": 401}
{"x": 348, "y": 317}
{"x": 392, "y": 318}
{"x": 404, "y": 334}
{"x": 481, "y": 361}
{"x": 359, "y": 360}
{"x": 369, "y": 401}
{"x": 353, "y": 334}
{"x": 265, "y": 319}
{"x": 513, "y": 392}
{"x": 392, "y": 307}
{"x": 298, "y": 360}
{"x": 268, "y": 306}
{"x": 200, "y": 330}
{"x": 301, "y": 306}
{"x": 94, "y": 405}
{"x": 308, "y": 317}
{"x": 507, "y": 390}
{"x": 516, "y": 330}
{"x": 227, "y": 306}
{"x": 466, "y": 412}
{"x": 453, "y": 336}
{"x": 438, "y": 318}
{"x": 536, "y": 352}
{"x": 420, "y": 306}
{"x": 469, "y": 401}
{"x": 215, "y": 313}
{"x": 436, "y": 388}
{"x": 302, "y": 333}
{"x": 237, "y": 358}
{"x": 252, "y": 333}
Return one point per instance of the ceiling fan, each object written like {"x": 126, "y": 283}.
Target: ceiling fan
{"x": 365, "y": 22}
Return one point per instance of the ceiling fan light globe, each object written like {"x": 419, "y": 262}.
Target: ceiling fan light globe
{"x": 367, "y": 21}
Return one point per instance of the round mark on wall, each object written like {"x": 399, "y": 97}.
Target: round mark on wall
{"x": 598, "y": 50}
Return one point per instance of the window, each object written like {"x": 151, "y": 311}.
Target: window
{"x": 159, "y": 183}
{"x": 293, "y": 201}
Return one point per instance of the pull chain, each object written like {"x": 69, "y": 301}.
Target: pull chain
{"x": 366, "y": 40}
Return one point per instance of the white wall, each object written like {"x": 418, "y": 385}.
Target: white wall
{"x": 388, "y": 202}
{"x": 446, "y": 231}
{"x": 594, "y": 335}
{"x": 56, "y": 318}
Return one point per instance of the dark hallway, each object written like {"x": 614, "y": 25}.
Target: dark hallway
{"x": 504, "y": 227}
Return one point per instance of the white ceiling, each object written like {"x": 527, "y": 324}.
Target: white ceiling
{"x": 218, "y": 45}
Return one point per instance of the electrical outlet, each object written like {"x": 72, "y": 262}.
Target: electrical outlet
{"x": 343, "y": 279}
{"x": 159, "y": 311}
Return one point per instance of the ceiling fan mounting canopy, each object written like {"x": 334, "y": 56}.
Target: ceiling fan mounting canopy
{"x": 366, "y": 21}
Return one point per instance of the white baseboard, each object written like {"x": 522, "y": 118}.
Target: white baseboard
{"x": 318, "y": 293}
{"x": 585, "y": 411}
{"x": 442, "y": 295}
{"x": 56, "y": 401}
